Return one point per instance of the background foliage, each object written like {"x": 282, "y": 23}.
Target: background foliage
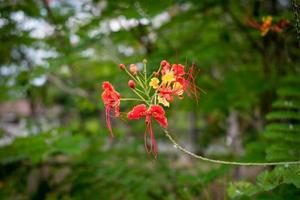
{"x": 55, "y": 55}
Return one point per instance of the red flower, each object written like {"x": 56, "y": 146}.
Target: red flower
{"x": 111, "y": 100}
{"x": 155, "y": 111}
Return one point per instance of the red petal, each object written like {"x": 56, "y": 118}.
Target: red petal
{"x": 178, "y": 69}
{"x": 153, "y": 145}
{"x": 107, "y": 86}
{"x": 137, "y": 112}
{"x": 158, "y": 113}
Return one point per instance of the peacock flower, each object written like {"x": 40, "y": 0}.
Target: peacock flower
{"x": 156, "y": 112}
{"x": 154, "y": 82}
{"x": 265, "y": 27}
{"x": 157, "y": 91}
{"x": 111, "y": 100}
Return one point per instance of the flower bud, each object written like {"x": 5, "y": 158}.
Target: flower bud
{"x": 122, "y": 66}
{"x": 131, "y": 84}
{"x": 133, "y": 69}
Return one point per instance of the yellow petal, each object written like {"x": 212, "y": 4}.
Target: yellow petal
{"x": 154, "y": 82}
{"x": 178, "y": 88}
{"x": 163, "y": 101}
{"x": 168, "y": 77}
{"x": 267, "y": 22}
{"x": 267, "y": 19}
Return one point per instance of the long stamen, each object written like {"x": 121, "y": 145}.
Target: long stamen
{"x": 107, "y": 117}
{"x": 145, "y": 70}
{"x": 145, "y": 140}
{"x": 153, "y": 142}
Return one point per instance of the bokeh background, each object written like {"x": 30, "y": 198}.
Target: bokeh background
{"x": 54, "y": 55}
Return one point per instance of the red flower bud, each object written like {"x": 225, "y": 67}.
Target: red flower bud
{"x": 122, "y": 66}
{"x": 133, "y": 69}
{"x": 131, "y": 84}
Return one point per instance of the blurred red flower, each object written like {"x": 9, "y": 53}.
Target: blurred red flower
{"x": 111, "y": 100}
{"x": 155, "y": 111}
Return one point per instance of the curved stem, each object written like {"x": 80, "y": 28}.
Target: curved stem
{"x": 223, "y": 161}
{"x": 131, "y": 99}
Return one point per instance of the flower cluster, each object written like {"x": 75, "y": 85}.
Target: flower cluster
{"x": 267, "y": 25}
{"x": 155, "y": 92}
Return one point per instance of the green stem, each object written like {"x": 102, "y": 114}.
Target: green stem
{"x": 142, "y": 98}
{"x": 141, "y": 83}
{"x": 140, "y": 91}
{"x": 145, "y": 88}
{"x": 226, "y": 162}
{"x": 131, "y": 99}
{"x": 145, "y": 72}
{"x": 152, "y": 73}
{"x": 154, "y": 97}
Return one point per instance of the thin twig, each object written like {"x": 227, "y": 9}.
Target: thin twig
{"x": 223, "y": 161}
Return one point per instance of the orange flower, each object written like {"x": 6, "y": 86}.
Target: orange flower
{"x": 265, "y": 27}
{"x": 111, "y": 100}
{"x": 156, "y": 112}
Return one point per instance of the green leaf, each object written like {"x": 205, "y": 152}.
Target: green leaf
{"x": 242, "y": 188}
